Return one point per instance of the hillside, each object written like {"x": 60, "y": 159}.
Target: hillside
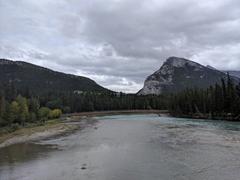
{"x": 39, "y": 79}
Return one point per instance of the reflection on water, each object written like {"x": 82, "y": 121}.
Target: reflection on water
{"x": 22, "y": 152}
{"x": 130, "y": 147}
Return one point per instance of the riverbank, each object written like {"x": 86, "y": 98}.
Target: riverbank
{"x": 61, "y": 126}
{"x": 225, "y": 117}
{"x": 36, "y": 132}
{"x": 106, "y": 113}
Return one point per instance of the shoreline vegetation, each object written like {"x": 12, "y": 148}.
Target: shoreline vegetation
{"x": 61, "y": 126}
{"x": 23, "y": 112}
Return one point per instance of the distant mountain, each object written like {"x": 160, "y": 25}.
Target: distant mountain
{"x": 177, "y": 74}
{"x": 39, "y": 79}
{"x": 234, "y": 73}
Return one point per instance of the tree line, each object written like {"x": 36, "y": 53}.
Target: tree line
{"x": 16, "y": 110}
{"x": 95, "y": 101}
{"x": 221, "y": 101}
{"x": 18, "y": 107}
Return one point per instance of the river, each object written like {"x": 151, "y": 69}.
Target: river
{"x": 130, "y": 147}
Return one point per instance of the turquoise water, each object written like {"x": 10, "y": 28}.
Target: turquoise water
{"x": 130, "y": 147}
{"x": 217, "y": 124}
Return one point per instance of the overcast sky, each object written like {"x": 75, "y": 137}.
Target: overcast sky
{"x": 120, "y": 42}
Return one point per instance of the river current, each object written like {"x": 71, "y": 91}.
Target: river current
{"x": 130, "y": 147}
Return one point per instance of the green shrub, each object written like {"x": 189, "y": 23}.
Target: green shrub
{"x": 56, "y": 113}
{"x": 43, "y": 113}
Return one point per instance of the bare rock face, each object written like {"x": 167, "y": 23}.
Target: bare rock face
{"x": 177, "y": 74}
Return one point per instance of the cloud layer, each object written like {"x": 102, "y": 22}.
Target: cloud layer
{"x": 119, "y": 42}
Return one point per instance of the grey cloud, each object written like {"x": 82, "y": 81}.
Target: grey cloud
{"x": 119, "y": 42}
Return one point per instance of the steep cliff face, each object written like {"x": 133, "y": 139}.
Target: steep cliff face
{"x": 177, "y": 74}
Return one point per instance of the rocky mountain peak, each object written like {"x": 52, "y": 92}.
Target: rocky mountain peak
{"x": 177, "y": 74}
{"x": 181, "y": 63}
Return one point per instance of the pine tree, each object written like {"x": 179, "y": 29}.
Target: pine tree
{"x": 13, "y": 113}
{"x": 2, "y": 106}
{"x": 34, "y": 105}
{"x": 23, "y": 109}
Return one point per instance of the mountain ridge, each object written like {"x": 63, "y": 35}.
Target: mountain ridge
{"x": 177, "y": 74}
{"x": 39, "y": 79}
{"x": 231, "y": 72}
